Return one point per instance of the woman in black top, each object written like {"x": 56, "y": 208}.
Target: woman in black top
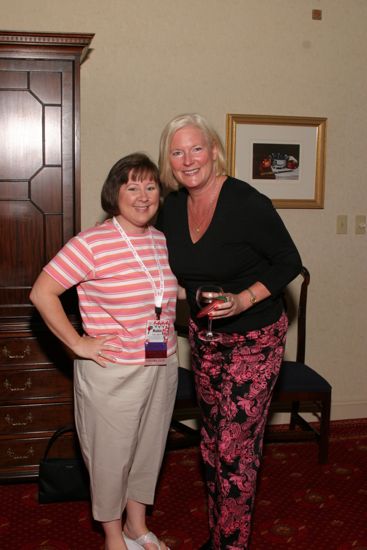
{"x": 222, "y": 231}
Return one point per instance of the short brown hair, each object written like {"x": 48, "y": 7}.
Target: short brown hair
{"x": 135, "y": 166}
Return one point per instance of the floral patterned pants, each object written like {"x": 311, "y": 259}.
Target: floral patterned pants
{"x": 234, "y": 377}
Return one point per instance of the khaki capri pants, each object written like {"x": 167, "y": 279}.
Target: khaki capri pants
{"x": 122, "y": 416}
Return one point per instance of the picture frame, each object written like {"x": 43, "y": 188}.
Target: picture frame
{"x": 281, "y": 156}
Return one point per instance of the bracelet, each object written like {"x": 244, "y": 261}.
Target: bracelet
{"x": 253, "y": 298}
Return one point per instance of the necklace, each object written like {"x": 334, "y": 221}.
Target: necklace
{"x": 194, "y": 223}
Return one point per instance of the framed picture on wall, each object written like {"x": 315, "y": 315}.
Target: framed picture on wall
{"x": 283, "y": 157}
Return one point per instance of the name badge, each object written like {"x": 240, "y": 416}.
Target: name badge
{"x": 156, "y": 336}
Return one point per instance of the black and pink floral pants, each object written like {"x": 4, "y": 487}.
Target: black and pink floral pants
{"x": 235, "y": 377}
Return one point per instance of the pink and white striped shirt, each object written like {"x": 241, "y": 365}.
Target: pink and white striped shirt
{"x": 115, "y": 295}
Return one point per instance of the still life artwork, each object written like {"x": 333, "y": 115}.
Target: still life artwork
{"x": 276, "y": 161}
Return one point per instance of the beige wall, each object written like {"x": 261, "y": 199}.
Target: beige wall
{"x": 152, "y": 59}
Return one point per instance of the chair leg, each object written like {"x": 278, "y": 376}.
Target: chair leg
{"x": 294, "y": 413}
{"x": 324, "y": 430}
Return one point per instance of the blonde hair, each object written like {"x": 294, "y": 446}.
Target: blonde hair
{"x": 191, "y": 119}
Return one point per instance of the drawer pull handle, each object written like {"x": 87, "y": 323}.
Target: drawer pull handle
{"x": 28, "y": 420}
{"x": 27, "y": 385}
{"x": 8, "y": 355}
{"x": 11, "y": 454}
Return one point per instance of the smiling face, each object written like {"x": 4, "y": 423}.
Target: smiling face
{"x": 192, "y": 158}
{"x": 138, "y": 202}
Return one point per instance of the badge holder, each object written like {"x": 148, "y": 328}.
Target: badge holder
{"x": 156, "y": 337}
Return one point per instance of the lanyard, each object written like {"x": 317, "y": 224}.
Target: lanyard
{"x": 158, "y": 292}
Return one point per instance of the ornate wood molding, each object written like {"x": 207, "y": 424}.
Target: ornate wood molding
{"x": 79, "y": 41}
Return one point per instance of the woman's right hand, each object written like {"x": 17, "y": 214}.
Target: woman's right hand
{"x": 96, "y": 349}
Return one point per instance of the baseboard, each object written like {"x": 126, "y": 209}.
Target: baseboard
{"x": 339, "y": 411}
{"x": 348, "y": 409}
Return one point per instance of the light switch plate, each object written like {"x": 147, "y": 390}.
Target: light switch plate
{"x": 342, "y": 224}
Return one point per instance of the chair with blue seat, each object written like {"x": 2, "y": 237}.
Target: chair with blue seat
{"x": 300, "y": 389}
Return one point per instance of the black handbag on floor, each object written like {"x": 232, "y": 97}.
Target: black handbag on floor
{"x": 62, "y": 479}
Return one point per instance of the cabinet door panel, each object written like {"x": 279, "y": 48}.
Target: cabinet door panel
{"x": 37, "y": 172}
{"x": 21, "y": 134}
{"x": 22, "y": 224}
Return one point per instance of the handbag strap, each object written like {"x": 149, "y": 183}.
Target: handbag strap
{"x": 60, "y": 431}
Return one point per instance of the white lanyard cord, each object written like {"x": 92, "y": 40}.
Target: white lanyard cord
{"x": 158, "y": 292}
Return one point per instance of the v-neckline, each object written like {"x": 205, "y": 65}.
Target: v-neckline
{"x": 211, "y": 219}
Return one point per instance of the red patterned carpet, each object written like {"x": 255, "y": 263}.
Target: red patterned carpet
{"x": 300, "y": 505}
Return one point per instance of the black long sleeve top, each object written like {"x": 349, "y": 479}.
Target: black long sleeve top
{"x": 245, "y": 242}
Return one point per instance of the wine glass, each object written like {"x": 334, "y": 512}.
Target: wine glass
{"x": 206, "y": 295}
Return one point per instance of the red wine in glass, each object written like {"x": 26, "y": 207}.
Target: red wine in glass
{"x": 207, "y": 296}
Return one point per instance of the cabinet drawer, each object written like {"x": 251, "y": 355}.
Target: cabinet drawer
{"x": 15, "y": 454}
{"x": 31, "y": 350}
{"x": 33, "y": 383}
{"x": 34, "y": 418}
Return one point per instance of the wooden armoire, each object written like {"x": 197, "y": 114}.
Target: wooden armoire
{"x": 39, "y": 212}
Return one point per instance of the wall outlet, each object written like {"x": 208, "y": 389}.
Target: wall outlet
{"x": 360, "y": 225}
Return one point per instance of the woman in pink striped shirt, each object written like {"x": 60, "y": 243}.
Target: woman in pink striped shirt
{"x": 125, "y": 377}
